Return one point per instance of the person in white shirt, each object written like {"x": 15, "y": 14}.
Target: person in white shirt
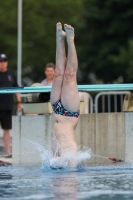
{"x": 49, "y": 73}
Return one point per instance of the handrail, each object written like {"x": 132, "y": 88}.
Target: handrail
{"x": 107, "y": 93}
{"x": 91, "y": 104}
{"x": 89, "y": 88}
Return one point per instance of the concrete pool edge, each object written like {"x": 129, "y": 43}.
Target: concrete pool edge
{"x": 107, "y": 134}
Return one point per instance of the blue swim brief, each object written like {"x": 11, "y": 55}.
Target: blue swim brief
{"x": 60, "y": 110}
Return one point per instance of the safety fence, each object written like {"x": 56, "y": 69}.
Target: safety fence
{"x": 115, "y": 91}
{"x": 111, "y": 101}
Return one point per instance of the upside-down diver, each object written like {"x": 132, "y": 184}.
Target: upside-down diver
{"x": 64, "y": 94}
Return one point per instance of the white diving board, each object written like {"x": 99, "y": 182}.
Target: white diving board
{"x": 88, "y": 88}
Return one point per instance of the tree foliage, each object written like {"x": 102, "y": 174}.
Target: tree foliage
{"x": 107, "y": 30}
{"x": 125, "y": 59}
{"x": 39, "y": 19}
{"x": 104, "y": 36}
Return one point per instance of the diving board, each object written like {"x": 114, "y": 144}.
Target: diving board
{"x": 88, "y": 88}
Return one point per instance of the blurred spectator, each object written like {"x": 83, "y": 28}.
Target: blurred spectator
{"x": 7, "y": 79}
{"x": 49, "y": 73}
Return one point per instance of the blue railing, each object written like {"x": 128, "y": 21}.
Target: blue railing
{"x": 89, "y": 88}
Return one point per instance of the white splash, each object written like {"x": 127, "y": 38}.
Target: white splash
{"x": 54, "y": 161}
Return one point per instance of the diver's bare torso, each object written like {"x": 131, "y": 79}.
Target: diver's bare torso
{"x": 64, "y": 131}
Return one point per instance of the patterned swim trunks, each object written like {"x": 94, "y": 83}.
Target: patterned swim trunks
{"x": 60, "y": 110}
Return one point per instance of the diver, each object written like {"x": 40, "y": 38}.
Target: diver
{"x": 64, "y": 95}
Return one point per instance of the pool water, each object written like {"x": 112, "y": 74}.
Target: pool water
{"x": 94, "y": 183}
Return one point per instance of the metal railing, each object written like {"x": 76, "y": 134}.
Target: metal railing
{"x": 90, "y": 101}
{"x": 109, "y": 94}
{"x": 115, "y": 89}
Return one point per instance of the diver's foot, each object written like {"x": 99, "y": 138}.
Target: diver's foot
{"x": 69, "y": 32}
{"x": 60, "y": 34}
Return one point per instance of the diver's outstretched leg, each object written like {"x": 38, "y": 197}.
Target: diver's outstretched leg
{"x": 69, "y": 95}
{"x": 60, "y": 64}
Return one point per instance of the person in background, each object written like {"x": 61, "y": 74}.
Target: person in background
{"x": 49, "y": 73}
{"x": 7, "y": 79}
